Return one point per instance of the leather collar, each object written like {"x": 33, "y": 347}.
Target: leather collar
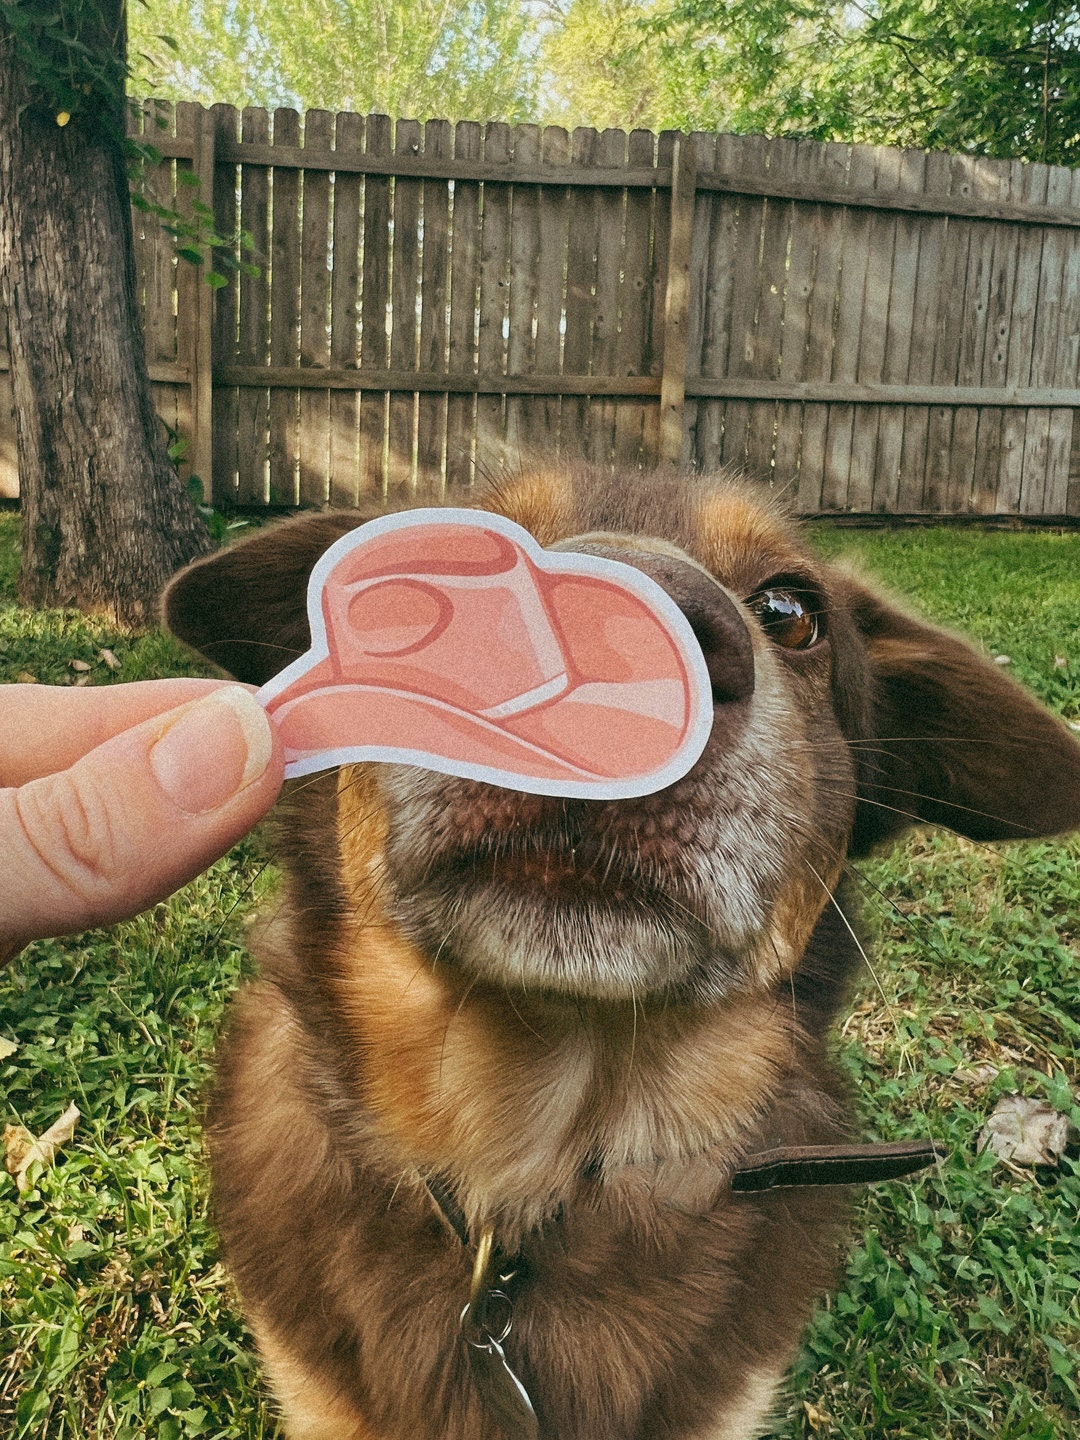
{"x": 784, "y": 1167}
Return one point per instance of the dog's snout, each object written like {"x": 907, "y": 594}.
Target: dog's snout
{"x": 714, "y": 618}
{"x": 720, "y": 630}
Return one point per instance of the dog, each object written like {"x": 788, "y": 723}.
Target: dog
{"x": 518, "y": 1055}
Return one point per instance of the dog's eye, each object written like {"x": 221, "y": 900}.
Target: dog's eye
{"x": 790, "y": 618}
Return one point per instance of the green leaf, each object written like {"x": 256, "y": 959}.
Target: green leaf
{"x": 160, "y": 1399}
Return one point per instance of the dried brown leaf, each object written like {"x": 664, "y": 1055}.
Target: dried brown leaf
{"x": 817, "y": 1419}
{"x": 109, "y": 659}
{"x": 21, "y": 1150}
{"x": 79, "y": 666}
{"x": 1027, "y": 1132}
{"x": 17, "y": 1144}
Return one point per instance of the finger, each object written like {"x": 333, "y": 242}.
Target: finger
{"x": 46, "y": 728}
{"x": 136, "y": 818}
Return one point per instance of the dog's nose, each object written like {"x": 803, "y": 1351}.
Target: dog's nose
{"x": 714, "y": 618}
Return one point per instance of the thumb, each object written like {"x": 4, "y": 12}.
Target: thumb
{"x": 135, "y": 818}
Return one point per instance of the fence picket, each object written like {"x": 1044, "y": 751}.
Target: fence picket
{"x": 494, "y": 297}
{"x": 374, "y": 300}
{"x": 314, "y": 447}
{"x": 873, "y": 329}
{"x": 1017, "y": 455}
{"x": 634, "y": 288}
{"x": 344, "y": 317}
{"x": 544, "y": 414}
{"x": 461, "y": 409}
{"x": 435, "y": 274}
{"x": 226, "y": 418}
{"x": 716, "y": 267}
{"x": 769, "y": 316}
{"x": 285, "y": 315}
{"x": 704, "y": 163}
{"x": 898, "y": 331}
{"x": 405, "y": 295}
{"x": 253, "y": 342}
{"x": 524, "y": 262}
{"x": 788, "y": 467}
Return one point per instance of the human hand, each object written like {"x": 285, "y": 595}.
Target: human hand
{"x": 111, "y": 799}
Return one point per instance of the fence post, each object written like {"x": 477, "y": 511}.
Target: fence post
{"x": 202, "y": 375}
{"x": 677, "y": 300}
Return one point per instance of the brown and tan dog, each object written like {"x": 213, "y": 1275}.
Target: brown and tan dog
{"x": 575, "y": 1020}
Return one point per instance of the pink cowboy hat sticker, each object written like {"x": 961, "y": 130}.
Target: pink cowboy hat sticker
{"x": 449, "y": 639}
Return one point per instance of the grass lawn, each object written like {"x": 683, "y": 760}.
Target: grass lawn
{"x": 959, "y": 1315}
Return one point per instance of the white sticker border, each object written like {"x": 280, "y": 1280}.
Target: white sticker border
{"x": 626, "y": 576}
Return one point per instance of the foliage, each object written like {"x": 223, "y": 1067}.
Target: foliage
{"x": 71, "y": 58}
{"x": 959, "y": 1314}
{"x": 604, "y": 68}
{"x": 416, "y": 58}
{"x": 974, "y": 75}
{"x": 998, "y": 79}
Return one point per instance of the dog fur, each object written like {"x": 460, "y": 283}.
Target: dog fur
{"x": 581, "y": 1015}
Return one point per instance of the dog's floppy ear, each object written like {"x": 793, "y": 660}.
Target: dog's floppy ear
{"x": 953, "y": 741}
{"x": 246, "y": 607}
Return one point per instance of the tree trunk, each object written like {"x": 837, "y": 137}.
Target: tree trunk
{"x": 106, "y": 519}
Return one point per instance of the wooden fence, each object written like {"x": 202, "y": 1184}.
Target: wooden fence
{"x": 876, "y": 330}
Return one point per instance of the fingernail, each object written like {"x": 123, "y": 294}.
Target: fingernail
{"x": 212, "y": 749}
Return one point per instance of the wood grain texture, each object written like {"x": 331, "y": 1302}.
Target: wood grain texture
{"x": 792, "y": 475}
{"x": 314, "y": 447}
{"x": 224, "y": 126}
{"x": 855, "y": 248}
{"x": 830, "y": 224}
{"x": 404, "y": 308}
{"x": 552, "y": 209}
{"x": 344, "y": 489}
{"x": 285, "y": 315}
{"x": 896, "y": 360}
{"x": 524, "y": 261}
{"x": 494, "y": 297}
{"x": 666, "y": 144}
{"x": 461, "y": 409}
{"x": 717, "y": 267}
{"x": 677, "y": 287}
{"x": 253, "y": 335}
{"x": 581, "y": 242}
{"x": 631, "y": 346}
{"x": 873, "y": 334}
{"x": 1018, "y": 452}
{"x": 610, "y": 212}
{"x": 374, "y": 300}
{"x": 768, "y": 337}
{"x": 434, "y": 285}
